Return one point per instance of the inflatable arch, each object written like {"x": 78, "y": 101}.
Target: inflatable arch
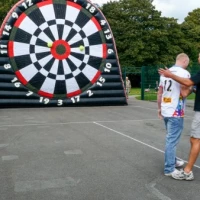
{"x": 58, "y": 53}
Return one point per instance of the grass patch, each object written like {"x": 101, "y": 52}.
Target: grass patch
{"x": 152, "y": 95}
{"x": 135, "y": 91}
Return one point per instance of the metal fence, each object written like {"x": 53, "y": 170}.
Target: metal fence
{"x": 150, "y": 78}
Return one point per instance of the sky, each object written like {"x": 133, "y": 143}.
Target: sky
{"x": 178, "y": 9}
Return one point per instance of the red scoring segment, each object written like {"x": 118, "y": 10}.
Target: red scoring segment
{"x": 60, "y": 49}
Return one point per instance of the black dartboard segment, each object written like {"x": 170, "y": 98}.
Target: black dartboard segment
{"x": 60, "y": 51}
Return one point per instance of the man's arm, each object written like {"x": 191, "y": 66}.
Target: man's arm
{"x": 184, "y": 81}
{"x": 159, "y": 99}
{"x": 186, "y": 91}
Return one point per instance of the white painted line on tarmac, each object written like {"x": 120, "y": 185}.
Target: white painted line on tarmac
{"x": 136, "y": 140}
{"x": 37, "y": 185}
{"x": 3, "y": 145}
{"x": 3, "y": 128}
{"x": 73, "y": 152}
{"x": 65, "y": 123}
{"x": 10, "y": 157}
{"x": 35, "y": 122}
{"x": 87, "y": 122}
{"x": 145, "y": 108}
{"x": 126, "y": 120}
{"x": 42, "y": 124}
{"x": 127, "y": 136}
{"x": 151, "y": 187}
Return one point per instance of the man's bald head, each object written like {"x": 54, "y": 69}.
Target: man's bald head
{"x": 182, "y": 60}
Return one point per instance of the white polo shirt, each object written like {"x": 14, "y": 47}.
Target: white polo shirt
{"x": 172, "y": 104}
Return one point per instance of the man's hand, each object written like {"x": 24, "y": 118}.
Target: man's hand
{"x": 165, "y": 72}
{"x": 159, "y": 114}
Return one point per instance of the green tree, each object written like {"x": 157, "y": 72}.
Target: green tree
{"x": 191, "y": 30}
{"x": 5, "y": 6}
{"x": 142, "y": 36}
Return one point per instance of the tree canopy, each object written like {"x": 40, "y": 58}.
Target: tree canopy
{"x": 5, "y": 6}
{"x": 191, "y": 29}
{"x": 143, "y": 37}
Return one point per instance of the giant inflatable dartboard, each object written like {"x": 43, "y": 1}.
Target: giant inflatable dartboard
{"x": 58, "y": 52}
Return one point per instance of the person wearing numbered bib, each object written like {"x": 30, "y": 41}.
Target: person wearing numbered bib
{"x": 194, "y": 84}
{"x": 171, "y": 99}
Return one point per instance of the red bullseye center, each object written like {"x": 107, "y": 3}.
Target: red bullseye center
{"x": 60, "y": 49}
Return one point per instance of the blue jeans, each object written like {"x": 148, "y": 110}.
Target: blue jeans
{"x": 174, "y": 127}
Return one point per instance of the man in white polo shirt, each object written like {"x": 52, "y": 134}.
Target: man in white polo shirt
{"x": 171, "y": 108}
{"x": 186, "y": 173}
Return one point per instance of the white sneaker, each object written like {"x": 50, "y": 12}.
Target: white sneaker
{"x": 173, "y": 173}
{"x": 181, "y": 175}
{"x": 179, "y": 163}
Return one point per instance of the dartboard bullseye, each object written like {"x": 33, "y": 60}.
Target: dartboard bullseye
{"x": 62, "y": 50}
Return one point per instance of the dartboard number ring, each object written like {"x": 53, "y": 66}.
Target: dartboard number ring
{"x": 58, "y": 55}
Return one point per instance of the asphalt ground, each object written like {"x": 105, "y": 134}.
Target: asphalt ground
{"x": 90, "y": 153}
